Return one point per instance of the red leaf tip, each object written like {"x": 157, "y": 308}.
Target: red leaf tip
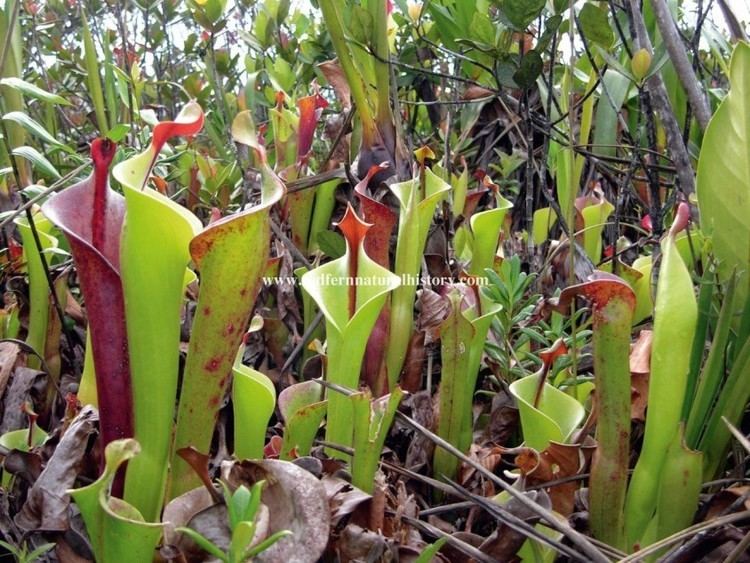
{"x": 353, "y": 228}
{"x": 102, "y": 152}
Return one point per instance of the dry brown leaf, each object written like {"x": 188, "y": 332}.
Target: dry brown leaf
{"x": 558, "y": 461}
{"x": 721, "y": 500}
{"x": 335, "y": 77}
{"x": 47, "y": 504}
{"x": 640, "y": 370}
{"x": 296, "y": 501}
{"x": 9, "y": 352}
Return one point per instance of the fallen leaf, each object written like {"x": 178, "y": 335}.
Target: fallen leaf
{"x": 558, "y": 461}
{"x": 19, "y": 393}
{"x": 640, "y": 370}
{"x": 296, "y": 501}
{"x": 335, "y": 77}
{"x": 46, "y": 507}
{"x": 9, "y": 352}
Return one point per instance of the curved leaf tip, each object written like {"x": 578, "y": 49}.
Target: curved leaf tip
{"x": 600, "y": 288}
{"x": 102, "y": 152}
{"x": 188, "y": 122}
{"x": 354, "y": 229}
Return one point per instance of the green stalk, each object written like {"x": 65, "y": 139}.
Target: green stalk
{"x": 712, "y": 375}
{"x": 39, "y": 294}
{"x": 675, "y": 316}
{"x": 609, "y": 466}
{"x": 613, "y": 305}
{"x": 372, "y": 420}
{"x": 333, "y": 22}
{"x": 154, "y": 256}
{"x": 93, "y": 80}
{"x": 350, "y": 292}
{"x": 414, "y": 224}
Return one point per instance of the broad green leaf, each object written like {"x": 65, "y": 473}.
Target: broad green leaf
{"x": 520, "y": 13}
{"x": 554, "y": 419}
{"x": 595, "y": 24}
{"x": 33, "y": 91}
{"x": 416, "y": 213}
{"x": 530, "y": 68}
{"x": 605, "y": 121}
{"x": 331, "y": 244}
{"x": 154, "y": 254}
{"x": 675, "y": 316}
{"x": 117, "y": 531}
{"x": 33, "y": 127}
{"x": 253, "y": 399}
{"x": 486, "y": 226}
{"x": 350, "y": 300}
{"x": 723, "y": 181}
{"x": 231, "y": 255}
{"x": 40, "y": 163}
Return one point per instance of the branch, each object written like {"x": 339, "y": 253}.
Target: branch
{"x": 682, "y": 65}
{"x": 660, "y": 100}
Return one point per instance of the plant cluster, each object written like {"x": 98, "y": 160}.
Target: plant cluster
{"x": 284, "y": 284}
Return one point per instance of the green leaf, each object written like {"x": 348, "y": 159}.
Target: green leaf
{"x": 605, "y": 122}
{"x": 520, "y": 13}
{"x": 679, "y": 489}
{"x": 462, "y": 335}
{"x": 595, "y": 24}
{"x": 554, "y": 419}
{"x": 723, "y": 181}
{"x": 19, "y": 439}
{"x": 39, "y": 302}
{"x": 253, "y": 400}
{"x": 93, "y": 80}
{"x": 205, "y": 544}
{"x": 40, "y": 163}
{"x": 675, "y": 317}
{"x": 154, "y": 254}
{"x": 416, "y": 212}
{"x": 331, "y": 244}
{"x": 372, "y": 422}
{"x": 33, "y": 127}
{"x": 351, "y": 301}
{"x": 302, "y": 407}
{"x": 530, "y": 68}
{"x": 594, "y": 221}
{"x": 231, "y": 255}
{"x": 116, "y": 529}
{"x": 118, "y": 132}
{"x": 486, "y": 227}
{"x": 431, "y": 550}
{"x": 33, "y": 91}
